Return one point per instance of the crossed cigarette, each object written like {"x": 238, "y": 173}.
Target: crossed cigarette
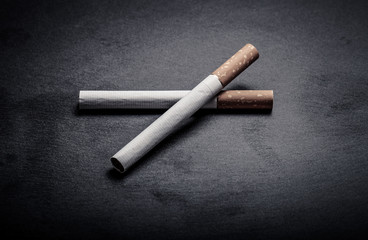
{"x": 181, "y": 105}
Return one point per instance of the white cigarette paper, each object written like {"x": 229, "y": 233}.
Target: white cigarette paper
{"x": 184, "y": 108}
{"x": 167, "y": 123}
{"x": 134, "y": 99}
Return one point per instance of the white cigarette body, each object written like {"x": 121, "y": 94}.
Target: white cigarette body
{"x": 167, "y": 123}
{"x": 134, "y": 99}
{"x": 184, "y": 108}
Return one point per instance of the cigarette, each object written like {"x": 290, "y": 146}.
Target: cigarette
{"x": 231, "y": 99}
{"x": 184, "y": 108}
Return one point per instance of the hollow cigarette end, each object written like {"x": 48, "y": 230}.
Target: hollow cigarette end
{"x": 246, "y": 99}
{"x": 236, "y": 64}
{"x": 117, "y": 165}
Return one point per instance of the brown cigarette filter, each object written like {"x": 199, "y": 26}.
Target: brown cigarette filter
{"x": 236, "y": 64}
{"x": 249, "y": 99}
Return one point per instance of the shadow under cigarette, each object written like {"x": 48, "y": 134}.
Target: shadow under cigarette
{"x": 180, "y": 132}
{"x": 94, "y": 112}
{"x": 184, "y": 129}
{"x": 235, "y": 111}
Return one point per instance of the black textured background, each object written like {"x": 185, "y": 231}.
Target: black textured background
{"x": 299, "y": 172}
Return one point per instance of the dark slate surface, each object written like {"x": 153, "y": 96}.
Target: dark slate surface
{"x": 299, "y": 172}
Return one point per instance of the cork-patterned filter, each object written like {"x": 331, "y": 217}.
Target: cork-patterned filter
{"x": 236, "y": 64}
{"x": 249, "y": 99}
